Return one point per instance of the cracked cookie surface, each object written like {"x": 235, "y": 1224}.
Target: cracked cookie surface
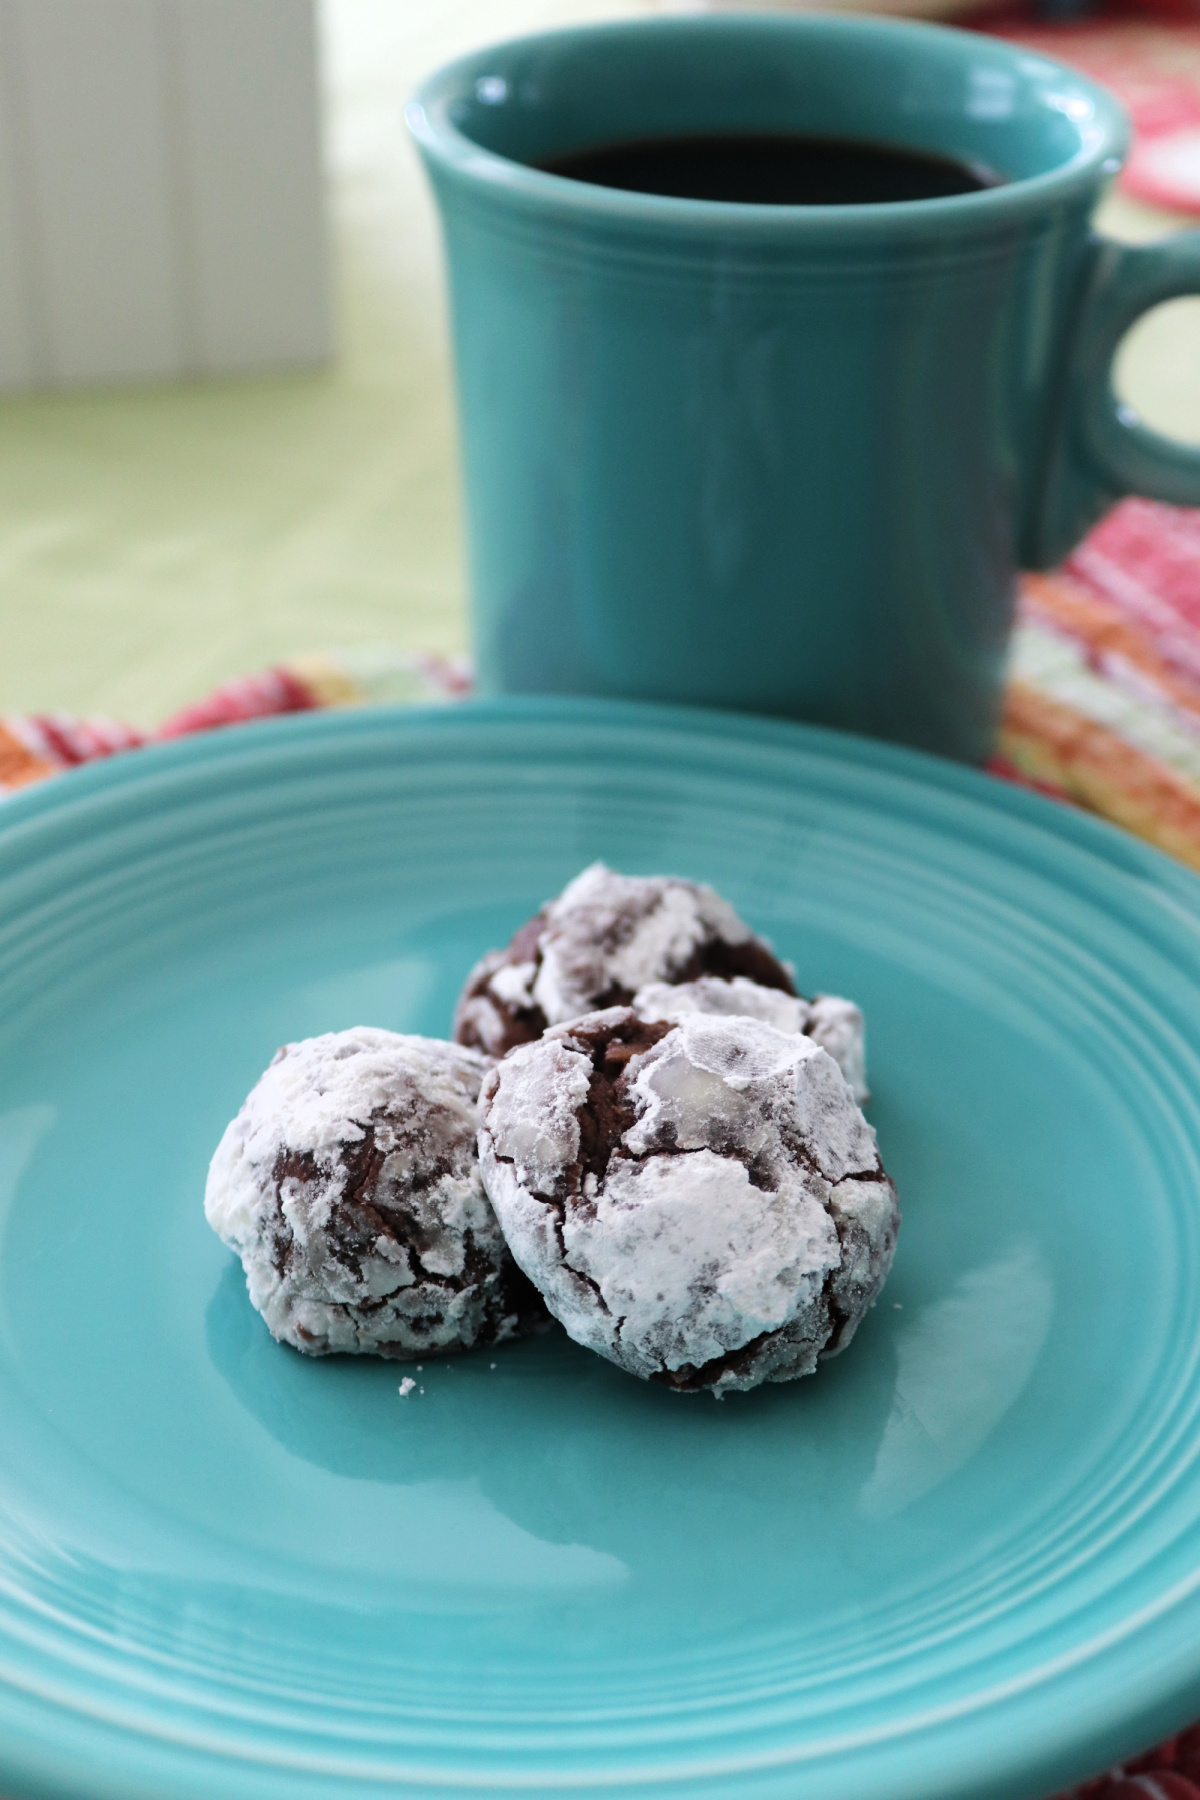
{"x": 833, "y": 1023}
{"x": 701, "y": 1201}
{"x": 349, "y": 1185}
{"x": 606, "y": 936}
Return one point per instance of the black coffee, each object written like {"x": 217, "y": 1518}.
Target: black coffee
{"x": 771, "y": 169}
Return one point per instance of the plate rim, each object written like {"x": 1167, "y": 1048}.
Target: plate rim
{"x": 74, "y": 788}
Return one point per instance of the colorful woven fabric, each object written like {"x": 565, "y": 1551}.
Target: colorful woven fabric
{"x": 1103, "y": 705}
{"x": 33, "y": 747}
{"x": 1171, "y": 1772}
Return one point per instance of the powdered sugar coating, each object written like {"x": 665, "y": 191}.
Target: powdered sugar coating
{"x": 701, "y": 1202}
{"x": 836, "y": 1024}
{"x": 349, "y": 1185}
{"x": 606, "y": 936}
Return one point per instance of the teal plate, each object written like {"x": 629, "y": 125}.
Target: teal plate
{"x": 962, "y": 1561}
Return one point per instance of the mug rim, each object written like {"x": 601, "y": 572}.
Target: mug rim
{"x": 529, "y": 188}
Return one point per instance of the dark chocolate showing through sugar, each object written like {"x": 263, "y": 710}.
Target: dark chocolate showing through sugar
{"x": 608, "y": 1115}
{"x": 603, "y": 1121}
{"x": 368, "y": 1209}
{"x": 525, "y": 1024}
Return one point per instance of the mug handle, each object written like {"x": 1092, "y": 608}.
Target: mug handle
{"x": 1106, "y": 450}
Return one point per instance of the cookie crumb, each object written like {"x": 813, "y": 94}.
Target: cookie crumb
{"x": 406, "y": 1387}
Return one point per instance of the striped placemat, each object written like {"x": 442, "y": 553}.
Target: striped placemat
{"x": 1102, "y": 706}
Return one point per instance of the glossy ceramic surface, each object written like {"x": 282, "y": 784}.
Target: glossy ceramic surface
{"x": 783, "y": 458}
{"x": 961, "y": 1561}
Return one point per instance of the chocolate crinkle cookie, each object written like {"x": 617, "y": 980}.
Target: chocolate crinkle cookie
{"x": 701, "y": 1202}
{"x": 349, "y": 1185}
{"x": 605, "y": 937}
{"x": 835, "y": 1024}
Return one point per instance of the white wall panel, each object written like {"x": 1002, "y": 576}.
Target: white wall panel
{"x": 161, "y": 195}
{"x": 253, "y": 160}
{"x": 98, "y": 148}
{"x": 20, "y": 364}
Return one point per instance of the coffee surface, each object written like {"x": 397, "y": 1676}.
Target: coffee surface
{"x": 771, "y": 169}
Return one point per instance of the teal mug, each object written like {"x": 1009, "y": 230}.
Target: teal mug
{"x": 784, "y": 458}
